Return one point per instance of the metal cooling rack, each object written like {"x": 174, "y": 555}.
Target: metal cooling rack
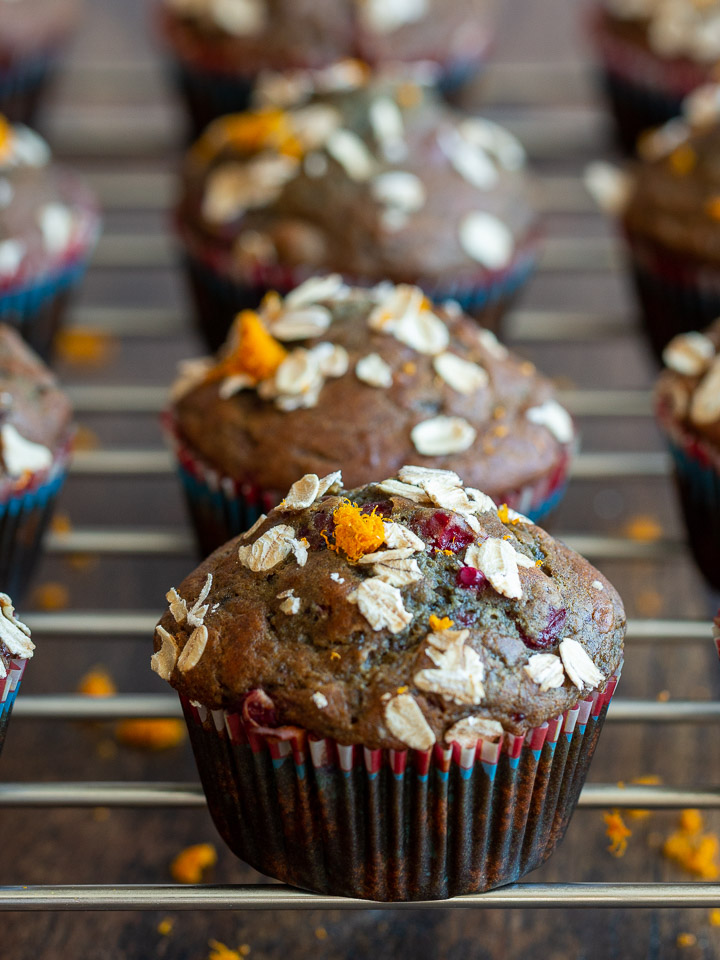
{"x": 547, "y": 131}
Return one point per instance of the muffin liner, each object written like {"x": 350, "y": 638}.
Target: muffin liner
{"x": 9, "y": 687}
{"x": 222, "y": 507}
{"x": 643, "y": 89}
{"x": 218, "y": 297}
{"x": 24, "y": 517}
{"x": 22, "y": 83}
{"x": 34, "y": 300}
{"x": 677, "y": 293}
{"x": 393, "y": 824}
{"x": 697, "y": 478}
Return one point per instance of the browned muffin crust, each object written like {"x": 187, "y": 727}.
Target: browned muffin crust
{"x": 688, "y": 390}
{"x": 325, "y": 668}
{"x": 30, "y": 398}
{"x": 367, "y": 429}
{"x": 390, "y": 204}
{"x": 673, "y": 200}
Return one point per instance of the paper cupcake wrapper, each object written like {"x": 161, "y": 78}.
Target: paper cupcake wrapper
{"x": 24, "y": 517}
{"x": 644, "y": 90}
{"x": 222, "y": 507}
{"x": 676, "y": 293}
{"x": 218, "y": 297}
{"x": 22, "y": 84}
{"x": 388, "y": 824}
{"x": 697, "y": 477}
{"x": 9, "y": 687}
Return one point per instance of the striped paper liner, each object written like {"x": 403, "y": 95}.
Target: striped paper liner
{"x": 9, "y": 687}
{"x": 696, "y": 465}
{"x": 644, "y": 89}
{"x": 394, "y": 824}
{"x": 221, "y": 289}
{"x": 223, "y": 507}
{"x": 24, "y": 517}
{"x": 677, "y": 293}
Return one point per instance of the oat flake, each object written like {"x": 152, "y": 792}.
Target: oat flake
{"x": 407, "y": 722}
{"x": 461, "y": 375}
{"x": 579, "y": 666}
{"x": 163, "y": 662}
{"x": 381, "y": 605}
{"x": 193, "y": 649}
{"x": 546, "y": 670}
{"x": 467, "y": 732}
{"x": 498, "y": 560}
{"x": 441, "y": 436}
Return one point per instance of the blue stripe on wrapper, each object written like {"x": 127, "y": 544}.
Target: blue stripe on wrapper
{"x": 35, "y": 308}
{"x": 699, "y": 488}
{"x": 23, "y": 521}
{"x": 6, "y": 707}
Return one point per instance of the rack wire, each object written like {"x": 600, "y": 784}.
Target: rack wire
{"x": 545, "y": 130}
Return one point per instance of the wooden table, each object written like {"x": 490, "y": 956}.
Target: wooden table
{"x": 116, "y": 121}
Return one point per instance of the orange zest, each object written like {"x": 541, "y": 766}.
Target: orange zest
{"x": 6, "y": 138}
{"x": 617, "y": 832}
{"x": 253, "y": 351}
{"x": 691, "y": 848}
{"x": 440, "y": 623}
{"x": 97, "y": 683}
{"x": 356, "y": 533}
{"x": 682, "y": 160}
{"x": 154, "y": 734}
{"x": 249, "y": 133}
{"x": 190, "y": 864}
{"x": 713, "y": 207}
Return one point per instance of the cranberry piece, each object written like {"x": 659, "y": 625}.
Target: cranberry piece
{"x": 471, "y": 577}
{"x": 313, "y": 532}
{"x": 550, "y": 632}
{"x": 259, "y": 710}
{"x": 465, "y": 618}
{"x": 445, "y": 531}
{"x": 383, "y": 508}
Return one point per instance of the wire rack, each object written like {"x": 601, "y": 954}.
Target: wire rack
{"x": 525, "y": 97}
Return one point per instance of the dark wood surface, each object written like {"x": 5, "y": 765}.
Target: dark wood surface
{"x": 123, "y": 846}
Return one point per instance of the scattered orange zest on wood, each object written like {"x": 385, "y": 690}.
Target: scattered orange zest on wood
{"x": 691, "y": 848}
{"x": 643, "y": 528}
{"x": 686, "y": 940}
{"x": 97, "y": 683}
{"x": 218, "y": 951}
{"x": 84, "y": 347}
{"x": 192, "y": 862}
{"x": 164, "y": 928}
{"x": 151, "y": 734}
{"x": 617, "y": 832}
{"x": 51, "y": 596}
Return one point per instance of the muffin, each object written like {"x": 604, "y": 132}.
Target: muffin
{"x": 652, "y": 54}
{"x": 219, "y": 48}
{"x": 49, "y": 224}
{"x": 688, "y": 411}
{"x": 16, "y": 648}
{"x": 35, "y": 447}
{"x": 377, "y": 685}
{"x": 366, "y": 380}
{"x": 32, "y": 35}
{"x": 668, "y": 208}
{"x": 377, "y": 181}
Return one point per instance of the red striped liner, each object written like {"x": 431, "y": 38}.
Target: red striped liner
{"x": 393, "y": 824}
{"x": 9, "y": 684}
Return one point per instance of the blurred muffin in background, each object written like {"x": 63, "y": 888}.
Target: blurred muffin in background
{"x": 372, "y": 178}
{"x": 652, "y": 54}
{"x": 36, "y": 434}
{"x": 687, "y": 403}
{"x": 334, "y": 377}
{"x": 49, "y": 224}
{"x": 667, "y": 204}
{"x": 218, "y": 48}
{"x": 32, "y": 36}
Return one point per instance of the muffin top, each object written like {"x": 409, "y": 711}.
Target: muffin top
{"x": 46, "y": 216}
{"x": 400, "y": 614}
{"x": 367, "y": 379}
{"x": 253, "y": 35}
{"x": 370, "y": 178}
{"x": 27, "y": 26}
{"x": 35, "y": 416}
{"x": 672, "y": 29}
{"x": 15, "y": 642}
{"x": 688, "y": 390}
{"x": 671, "y": 194}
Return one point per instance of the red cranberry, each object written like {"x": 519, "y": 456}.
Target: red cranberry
{"x": 313, "y": 532}
{"x": 259, "y": 710}
{"x": 550, "y": 632}
{"x": 470, "y": 577}
{"x": 445, "y": 531}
